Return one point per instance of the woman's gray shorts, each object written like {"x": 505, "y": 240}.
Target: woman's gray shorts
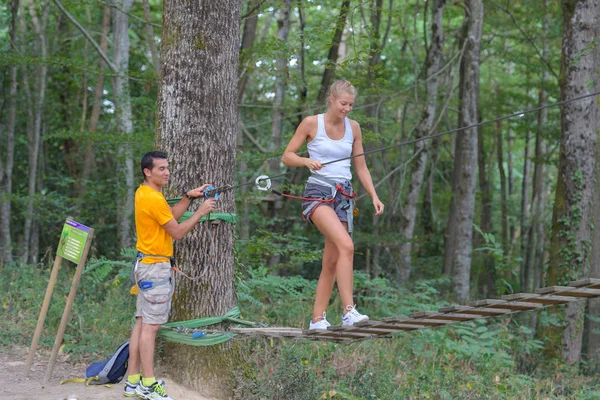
{"x": 342, "y": 205}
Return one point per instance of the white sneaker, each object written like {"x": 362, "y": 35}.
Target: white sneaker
{"x": 353, "y": 316}
{"x": 156, "y": 391}
{"x": 320, "y": 324}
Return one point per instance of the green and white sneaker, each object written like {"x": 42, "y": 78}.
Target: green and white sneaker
{"x": 129, "y": 390}
{"x": 154, "y": 391}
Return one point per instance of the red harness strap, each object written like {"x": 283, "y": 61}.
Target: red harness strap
{"x": 338, "y": 188}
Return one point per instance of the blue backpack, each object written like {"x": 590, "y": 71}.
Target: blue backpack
{"x": 111, "y": 370}
{"x": 108, "y": 371}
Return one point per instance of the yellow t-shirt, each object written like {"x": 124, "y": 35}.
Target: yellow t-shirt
{"x": 151, "y": 213}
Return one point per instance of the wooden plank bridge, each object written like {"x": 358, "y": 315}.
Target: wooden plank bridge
{"x": 509, "y": 304}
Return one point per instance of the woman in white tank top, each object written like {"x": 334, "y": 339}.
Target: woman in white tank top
{"x": 332, "y": 136}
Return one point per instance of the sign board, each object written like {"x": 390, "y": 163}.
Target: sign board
{"x": 72, "y": 241}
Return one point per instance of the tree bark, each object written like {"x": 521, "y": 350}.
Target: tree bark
{"x": 466, "y": 159}
{"x": 123, "y": 118}
{"x": 419, "y": 164}
{"x": 6, "y": 167}
{"x": 197, "y": 126}
{"x": 571, "y": 219}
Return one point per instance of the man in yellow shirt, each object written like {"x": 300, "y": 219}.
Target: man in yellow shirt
{"x": 156, "y": 226}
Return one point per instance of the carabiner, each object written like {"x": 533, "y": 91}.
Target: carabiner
{"x": 267, "y": 185}
{"x": 211, "y": 192}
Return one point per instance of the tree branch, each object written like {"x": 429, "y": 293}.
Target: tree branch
{"x": 87, "y": 36}
{"x": 527, "y": 37}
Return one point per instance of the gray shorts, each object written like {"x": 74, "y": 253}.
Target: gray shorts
{"x": 153, "y": 305}
{"x": 342, "y": 205}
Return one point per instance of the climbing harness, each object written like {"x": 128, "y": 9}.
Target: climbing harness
{"x": 347, "y": 203}
{"x": 143, "y": 286}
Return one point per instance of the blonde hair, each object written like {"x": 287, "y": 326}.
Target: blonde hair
{"x": 342, "y": 86}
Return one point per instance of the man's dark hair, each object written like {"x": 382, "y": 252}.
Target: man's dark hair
{"x": 148, "y": 160}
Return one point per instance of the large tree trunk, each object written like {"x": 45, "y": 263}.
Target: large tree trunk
{"x": 6, "y": 167}
{"x": 419, "y": 163}
{"x": 38, "y": 101}
{"x": 123, "y": 117}
{"x": 197, "y": 126}
{"x": 332, "y": 57}
{"x": 466, "y": 158}
{"x": 571, "y": 219}
{"x": 593, "y": 325}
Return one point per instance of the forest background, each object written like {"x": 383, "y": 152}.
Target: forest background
{"x": 504, "y": 207}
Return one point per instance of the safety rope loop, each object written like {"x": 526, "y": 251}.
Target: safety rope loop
{"x": 340, "y": 189}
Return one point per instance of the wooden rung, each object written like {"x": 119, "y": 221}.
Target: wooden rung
{"x": 275, "y": 332}
{"x": 457, "y": 317}
{"x": 591, "y": 283}
{"x": 489, "y": 312}
{"x": 520, "y": 306}
{"x": 360, "y": 329}
{"x": 553, "y": 289}
{"x": 486, "y": 303}
{"x": 428, "y": 322}
{"x": 422, "y": 314}
{"x": 329, "y": 333}
{"x": 551, "y": 299}
{"x": 400, "y": 318}
{"x": 389, "y": 325}
{"x": 443, "y": 316}
{"x": 582, "y": 293}
{"x": 519, "y": 296}
{"x": 454, "y": 309}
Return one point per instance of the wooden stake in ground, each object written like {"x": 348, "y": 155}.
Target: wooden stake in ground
{"x": 74, "y": 246}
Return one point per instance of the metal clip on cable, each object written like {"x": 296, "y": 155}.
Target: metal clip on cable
{"x": 267, "y": 184}
{"x": 211, "y": 191}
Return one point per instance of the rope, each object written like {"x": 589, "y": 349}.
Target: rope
{"x": 428, "y": 137}
{"x": 185, "y": 332}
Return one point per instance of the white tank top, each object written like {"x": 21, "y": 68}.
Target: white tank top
{"x": 325, "y": 149}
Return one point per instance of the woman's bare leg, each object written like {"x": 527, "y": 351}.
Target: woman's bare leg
{"x": 338, "y": 257}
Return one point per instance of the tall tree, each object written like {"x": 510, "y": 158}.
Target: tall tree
{"x": 419, "y": 162}
{"x": 593, "y": 324}
{"x": 533, "y": 259}
{"x": 197, "y": 126}
{"x": 283, "y": 30}
{"x": 8, "y": 137}
{"x": 332, "y": 57}
{"x": 38, "y": 100}
{"x": 89, "y": 157}
{"x": 248, "y": 37}
{"x": 465, "y": 162}
{"x": 571, "y": 219}
{"x": 123, "y": 116}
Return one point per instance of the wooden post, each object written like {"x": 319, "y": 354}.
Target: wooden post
{"x": 68, "y": 307}
{"x": 43, "y": 312}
